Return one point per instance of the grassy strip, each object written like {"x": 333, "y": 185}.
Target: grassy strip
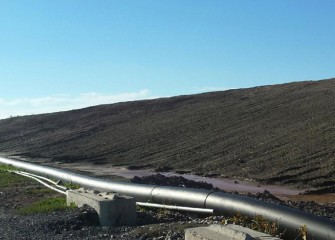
{"x": 4, "y": 167}
{"x": 39, "y": 190}
{"x": 46, "y": 205}
{"x": 8, "y": 179}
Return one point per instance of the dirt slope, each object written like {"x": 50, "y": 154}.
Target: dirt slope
{"x": 281, "y": 133}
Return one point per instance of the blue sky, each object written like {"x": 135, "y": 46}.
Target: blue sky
{"x": 65, "y": 54}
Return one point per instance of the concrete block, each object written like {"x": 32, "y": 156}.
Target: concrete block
{"x": 113, "y": 209}
{"x": 225, "y": 232}
{"x": 254, "y": 234}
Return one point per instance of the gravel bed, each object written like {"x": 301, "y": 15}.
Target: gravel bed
{"x": 323, "y": 210}
{"x": 82, "y": 223}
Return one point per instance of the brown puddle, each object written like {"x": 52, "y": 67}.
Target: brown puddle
{"x": 322, "y": 199}
{"x": 226, "y": 184}
{"x": 231, "y": 185}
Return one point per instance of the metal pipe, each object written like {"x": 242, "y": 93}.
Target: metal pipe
{"x": 141, "y": 191}
{"x": 41, "y": 178}
{"x": 179, "y": 208}
{"x": 287, "y": 218}
{"x": 224, "y": 203}
{"x": 40, "y": 181}
{"x": 143, "y": 204}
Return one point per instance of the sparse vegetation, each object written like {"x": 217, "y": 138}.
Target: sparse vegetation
{"x": 71, "y": 185}
{"x": 303, "y": 231}
{"x": 9, "y": 179}
{"x": 48, "y": 200}
{"x": 39, "y": 190}
{"x": 259, "y": 223}
{"x": 239, "y": 219}
{"x": 5, "y": 168}
{"x": 46, "y": 205}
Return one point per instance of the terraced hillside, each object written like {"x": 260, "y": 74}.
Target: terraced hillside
{"x": 281, "y": 133}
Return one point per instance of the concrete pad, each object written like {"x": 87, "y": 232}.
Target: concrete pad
{"x": 113, "y": 209}
{"x": 225, "y": 232}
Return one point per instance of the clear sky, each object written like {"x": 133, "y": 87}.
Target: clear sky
{"x": 65, "y": 54}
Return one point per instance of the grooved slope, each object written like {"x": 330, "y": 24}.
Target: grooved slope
{"x": 281, "y": 133}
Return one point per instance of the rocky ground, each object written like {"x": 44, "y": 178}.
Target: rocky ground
{"x": 325, "y": 210}
{"x": 82, "y": 223}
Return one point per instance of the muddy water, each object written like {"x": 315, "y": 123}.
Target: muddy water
{"x": 283, "y": 192}
{"x": 229, "y": 185}
{"x": 222, "y": 183}
{"x": 240, "y": 186}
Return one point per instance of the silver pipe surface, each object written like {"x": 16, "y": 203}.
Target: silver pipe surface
{"x": 286, "y": 218}
{"x": 42, "y": 178}
{"x": 179, "y": 208}
{"x": 45, "y": 179}
{"x": 141, "y": 191}
{"x": 40, "y": 181}
{"x": 224, "y": 203}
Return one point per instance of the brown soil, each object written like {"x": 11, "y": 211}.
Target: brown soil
{"x": 277, "y": 134}
{"x": 321, "y": 198}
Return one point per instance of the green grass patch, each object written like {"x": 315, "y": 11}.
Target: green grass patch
{"x": 72, "y": 185}
{"x": 5, "y": 167}
{"x": 8, "y": 179}
{"x": 39, "y": 190}
{"x": 69, "y": 185}
{"x": 46, "y": 205}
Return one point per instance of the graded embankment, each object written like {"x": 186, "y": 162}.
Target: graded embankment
{"x": 279, "y": 134}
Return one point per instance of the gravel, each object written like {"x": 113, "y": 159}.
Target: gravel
{"x": 82, "y": 223}
{"x": 324, "y": 210}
